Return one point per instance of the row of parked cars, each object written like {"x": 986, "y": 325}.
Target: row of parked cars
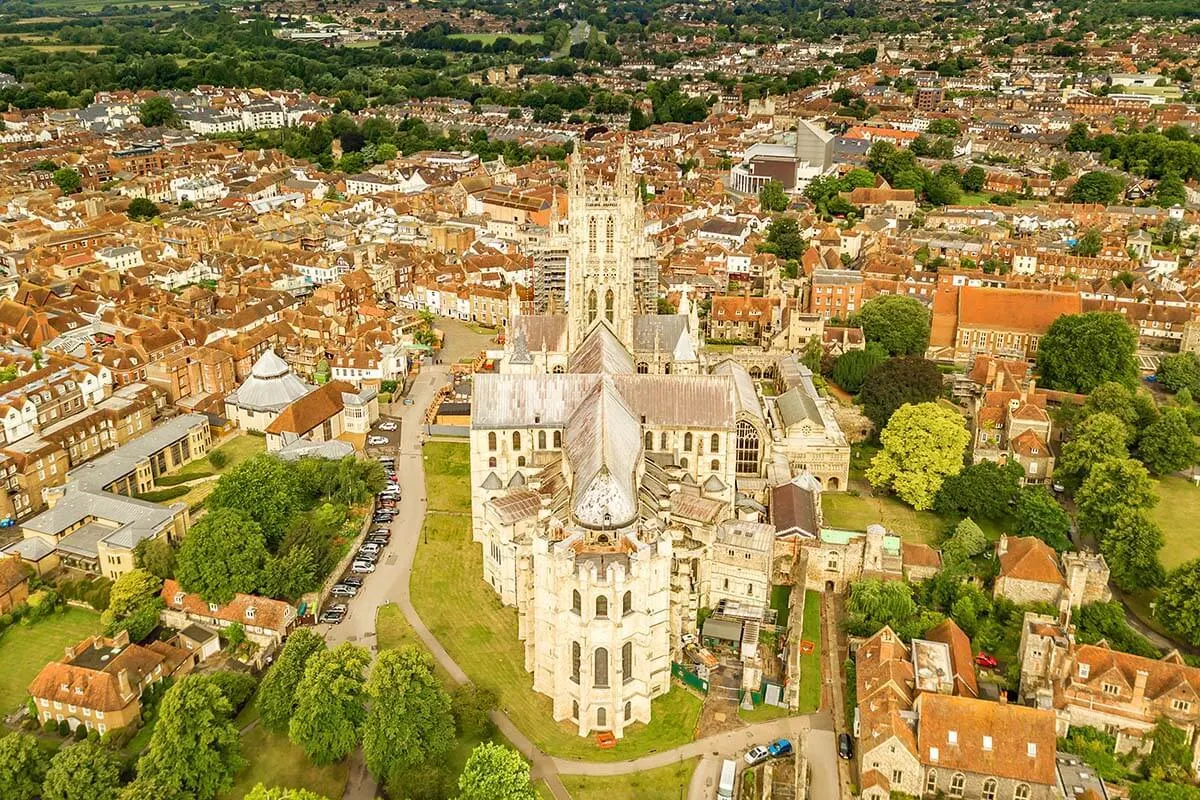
{"x": 369, "y": 552}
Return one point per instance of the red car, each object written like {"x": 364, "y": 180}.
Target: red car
{"x": 986, "y": 661}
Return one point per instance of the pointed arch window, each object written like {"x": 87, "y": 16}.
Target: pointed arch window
{"x": 715, "y": 445}
{"x": 600, "y": 668}
{"x": 649, "y": 440}
{"x": 627, "y": 603}
{"x": 576, "y": 660}
{"x": 557, "y": 439}
{"x": 602, "y": 606}
{"x": 601, "y": 718}
{"x": 591, "y": 310}
{"x": 662, "y": 441}
{"x": 541, "y": 440}
{"x": 516, "y": 440}
{"x": 592, "y": 236}
{"x": 687, "y": 442}
{"x": 492, "y": 441}
{"x": 610, "y": 235}
{"x": 608, "y": 305}
{"x": 626, "y": 662}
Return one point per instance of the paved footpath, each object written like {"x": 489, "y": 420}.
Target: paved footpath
{"x": 390, "y": 584}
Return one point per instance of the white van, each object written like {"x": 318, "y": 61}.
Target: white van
{"x": 725, "y": 786}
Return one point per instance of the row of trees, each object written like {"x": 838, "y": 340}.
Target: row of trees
{"x": 406, "y": 723}
{"x": 272, "y": 528}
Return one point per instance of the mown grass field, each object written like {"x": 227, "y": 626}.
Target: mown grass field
{"x": 664, "y": 783}
{"x": 275, "y": 761}
{"x": 25, "y": 649}
{"x": 1175, "y": 513}
{"x": 489, "y": 38}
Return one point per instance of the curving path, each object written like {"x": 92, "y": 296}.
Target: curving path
{"x": 390, "y": 584}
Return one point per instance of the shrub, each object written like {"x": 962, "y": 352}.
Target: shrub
{"x": 50, "y": 726}
{"x": 64, "y": 728}
{"x": 218, "y": 459}
{"x": 176, "y": 480}
{"x": 81, "y": 732}
{"x": 163, "y": 495}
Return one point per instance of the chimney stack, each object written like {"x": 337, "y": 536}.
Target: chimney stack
{"x": 1139, "y": 686}
{"x": 1002, "y": 545}
{"x": 123, "y": 683}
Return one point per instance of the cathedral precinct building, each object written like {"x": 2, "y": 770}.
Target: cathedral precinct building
{"x": 619, "y": 479}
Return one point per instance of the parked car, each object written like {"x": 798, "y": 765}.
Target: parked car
{"x": 757, "y": 754}
{"x": 369, "y": 548}
{"x": 845, "y": 746}
{"x": 986, "y": 661}
{"x": 343, "y": 590}
{"x": 388, "y": 426}
{"x": 366, "y": 556}
{"x": 352, "y": 580}
{"x": 779, "y": 748}
{"x": 334, "y": 614}
{"x": 377, "y": 441}
{"x": 381, "y": 539}
{"x": 362, "y": 567}
{"x": 408, "y": 401}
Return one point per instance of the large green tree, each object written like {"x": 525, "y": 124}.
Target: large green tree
{"x": 1112, "y": 486}
{"x": 772, "y": 197}
{"x": 83, "y": 771}
{"x": 898, "y": 381}
{"x": 900, "y": 324}
{"x": 1130, "y": 546}
{"x": 851, "y": 368}
{"x": 276, "y": 699}
{"x": 923, "y": 444}
{"x": 495, "y": 772}
{"x": 783, "y": 234}
{"x": 267, "y": 490}
{"x": 1096, "y": 187}
{"x": 1178, "y": 605}
{"x": 967, "y": 541}
{"x": 260, "y": 792}
{"x": 22, "y": 767}
{"x": 195, "y": 749}
{"x": 1166, "y": 445}
{"x": 1081, "y": 351}
{"x": 158, "y": 111}
{"x": 156, "y": 556}
{"x": 983, "y": 490}
{"x": 67, "y": 180}
{"x": 409, "y": 722}
{"x": 330, "y": 701}
{"x": 133, "y": 605}
{"x": 1038, "y": 514}
{"x": 1180, "y": 371}
{"x": 223, "y": 554}
{"x": 1098, "y": 438}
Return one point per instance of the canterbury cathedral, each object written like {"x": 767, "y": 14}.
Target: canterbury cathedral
{"x": 619, "y": 478}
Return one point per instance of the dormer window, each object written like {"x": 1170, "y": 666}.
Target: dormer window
{"x": 1031, "y": 749}
{"x": 178, "y": 599}
{"x": 212, "y": 607}
{"x": 250, "y": 612}
{"x": 1083, "y": 670}
{"x": 952, "y": 737}
{"x": 987, "y": 743}
{"x": 933, "y": 754}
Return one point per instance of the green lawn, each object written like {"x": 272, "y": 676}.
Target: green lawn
{"x": 810, "y": 665}
{"x": 975, "y": 199}
{"x": 236, "y": 451}
{"x": 481, "y": 635}
{"x": 850, "y": 513}
{"x": 275, "y": 761}
{"x": 1175, "y": 513}
{"x": 780, "y": 597}
{"x": 489, "y": 38}
{"x": 447, "y": 476}
{"x": 664, "y": 783}
{"x": 25, "y": 649}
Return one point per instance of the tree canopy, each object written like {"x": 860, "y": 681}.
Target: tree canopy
{"x": 329, "y": 716}
{"x": 772, "y": 197}
{"x": 265, "y": 489}
{"x": 982, "y": 490}
{"x": 898, "y": 323}
{"x": 195, "y": 749}
{"x": 495, "y": 772}
{"x": 1081, "y": 351}
{"x": 223, "y": 554}
{"x": 133, "y": 605}
{"x": 1097, "y": 439}
{"x": 850, "y": 369}
{"x": 276, "y": 698}
{"x": 83, "y": 771}
{"x": 1178, "y": 604}
{"x": 923, "y": 444}
{"x": 23, "y": 767}
{"x": 895, "y": 382}
{"x": 1038, "y": 514}
{"x": 1166, "y": 445}
{"x": 158, "y": 111}
{"x": 409, "y": 722}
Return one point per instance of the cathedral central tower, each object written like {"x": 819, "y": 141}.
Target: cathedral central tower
{"x": 606, "y": 228}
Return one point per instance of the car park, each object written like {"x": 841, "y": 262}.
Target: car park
{"x": 362, "y": 567}
{"x": 779, "y": 748}
{"x": 334, "y": 614}
{"x": 377, "y": 441}
{"x": 756, "y": 755}
{"x": 343, "y": 590}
